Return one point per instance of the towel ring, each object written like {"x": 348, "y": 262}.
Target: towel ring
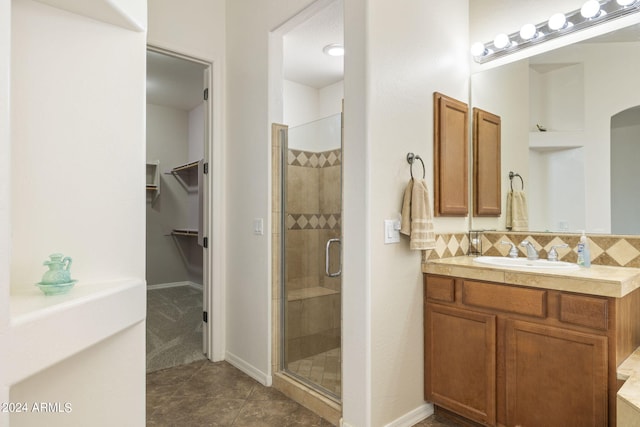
{"x": 410, "y": 158}
{"x": 513, "y": 175}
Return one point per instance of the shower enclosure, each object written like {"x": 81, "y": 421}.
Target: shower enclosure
{"x": 312, "y": 254}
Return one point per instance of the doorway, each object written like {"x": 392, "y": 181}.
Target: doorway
{"x": 312, "y": 254}
{"x": 176, "y": 218}
{"x": 307, "y": 189}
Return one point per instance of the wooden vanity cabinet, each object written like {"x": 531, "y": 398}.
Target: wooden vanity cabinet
{"x": 507, "y": 355}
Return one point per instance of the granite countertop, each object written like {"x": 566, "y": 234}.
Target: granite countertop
{"x": 597, "y": 280}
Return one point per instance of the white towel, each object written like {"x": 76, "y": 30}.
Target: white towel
{"x": 417, "y": 220}
{"x": 517, "y": 211}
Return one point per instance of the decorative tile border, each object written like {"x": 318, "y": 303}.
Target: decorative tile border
{"x": 613, "y": 250}
{"x": 314, "y": 221}
{"x": 310, "y": 159}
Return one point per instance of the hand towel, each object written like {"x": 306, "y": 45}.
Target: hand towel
{"x": 517, "y": 211}
{"x": 417, "y": 220}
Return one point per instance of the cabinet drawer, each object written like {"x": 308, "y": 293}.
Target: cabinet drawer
{"x": 584, "y": 311}
{"x": 439, "y": 288}
{"x": 510, "y": 299}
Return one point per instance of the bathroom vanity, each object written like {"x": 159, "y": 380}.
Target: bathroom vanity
{"x": 528, "y": 346}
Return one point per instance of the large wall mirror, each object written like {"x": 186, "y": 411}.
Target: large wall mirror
{"x": 571, "y": 129}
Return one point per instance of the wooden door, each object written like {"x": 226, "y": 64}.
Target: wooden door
{"x": 555, "y": 377}
{"x": 460, "y": 361}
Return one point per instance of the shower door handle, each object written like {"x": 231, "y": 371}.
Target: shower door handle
{"x": 326, "y": 259}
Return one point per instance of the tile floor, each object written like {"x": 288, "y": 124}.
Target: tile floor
{"x": 174, "y": 327}
{"x": 203, "y": 393}
{"x": 322, "y": 369}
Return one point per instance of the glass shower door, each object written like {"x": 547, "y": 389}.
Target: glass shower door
{"x": 312, "y": 224}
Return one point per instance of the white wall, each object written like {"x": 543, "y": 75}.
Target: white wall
{"x": 625, "y": 191}
{"x": 404, "y": 67}
{"x": 248, "y": 129}
{"x": 5, "y": 175}
{"x": 303, "y": 104}
{"x": 330, "y": 101}
{"x": 300, "y": 103}
{"x": 80, "y": 148}
{"x": 167, "y": 141}
{"x": 87, "y": 383}
{"x": 72, "y": 182}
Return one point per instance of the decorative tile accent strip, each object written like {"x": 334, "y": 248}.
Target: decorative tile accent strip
{"x": 314, "y": 221}
{"x": 619, "y": 251}
{"x": 448, "y": 245}
{"x": 314, "y": 160}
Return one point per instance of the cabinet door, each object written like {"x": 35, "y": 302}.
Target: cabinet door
{"x": 460, "y": 361}
{"x": 555, "y": 377}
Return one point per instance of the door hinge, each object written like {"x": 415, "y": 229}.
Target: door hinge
{"x": 206, "y": 168}
{"x": 205, "y": 317}
{"x": 205, "y": 242}
{"x": 206, "y": 94}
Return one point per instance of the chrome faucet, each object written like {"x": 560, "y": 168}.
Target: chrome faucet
{"x": 513, "y": 252}
{"x": 532, "y": 253}
{"x": 553, "y": 254}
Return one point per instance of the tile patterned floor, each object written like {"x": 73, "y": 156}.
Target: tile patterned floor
{"x": 203, "y": 393}
{"x": 323, "y": 369}
{"x": 174, "y": 327}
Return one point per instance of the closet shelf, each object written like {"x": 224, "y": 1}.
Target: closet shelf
{"x": 153, "y": 179}
{"x": 185, "y": 168}
{"x": 184, "y": 232}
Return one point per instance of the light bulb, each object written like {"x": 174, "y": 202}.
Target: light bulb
{"x": 591, "y": 9}
{"x": 557, "y": 21}
{"x": 625, "y": 3}
{"x": 501, "y": 41}
{"x": 528, "y": 32}
{"x": 478, "y": 49}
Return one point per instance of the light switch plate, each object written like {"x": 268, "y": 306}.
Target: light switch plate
{"x": 391, "y": 231}
{"x": 258, "y": 227}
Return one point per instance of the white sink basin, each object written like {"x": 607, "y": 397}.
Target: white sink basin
{"x": 500, "y": 261}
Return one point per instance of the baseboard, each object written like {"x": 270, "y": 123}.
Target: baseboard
{"x": 248, "y": 369}
{"x": 413, "y": 417}
{"x": 174, "y": 285}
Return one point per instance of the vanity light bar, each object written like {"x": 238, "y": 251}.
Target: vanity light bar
{"x": 593, "y": 12}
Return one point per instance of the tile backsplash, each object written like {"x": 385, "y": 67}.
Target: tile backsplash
{"x": 620, "y": 251}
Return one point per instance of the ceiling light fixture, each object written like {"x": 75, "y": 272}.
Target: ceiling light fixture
{"x": 593, "y": 12}
{"x": 334, "y": 49}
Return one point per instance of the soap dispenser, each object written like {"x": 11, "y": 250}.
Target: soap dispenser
{"x": 584, "y": 254}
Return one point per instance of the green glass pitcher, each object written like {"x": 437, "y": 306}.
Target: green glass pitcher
{"x": 58, "y": 272}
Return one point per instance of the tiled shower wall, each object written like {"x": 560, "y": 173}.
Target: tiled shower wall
{"x": 313, "y": 216}
{"x": 621, "y": 251}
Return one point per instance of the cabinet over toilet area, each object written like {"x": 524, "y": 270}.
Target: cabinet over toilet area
{"x": 528, "y": 347}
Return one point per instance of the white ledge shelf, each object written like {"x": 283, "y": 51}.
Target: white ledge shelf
{"x": 556, "y": 140}
{"x": 86, "y": 315}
